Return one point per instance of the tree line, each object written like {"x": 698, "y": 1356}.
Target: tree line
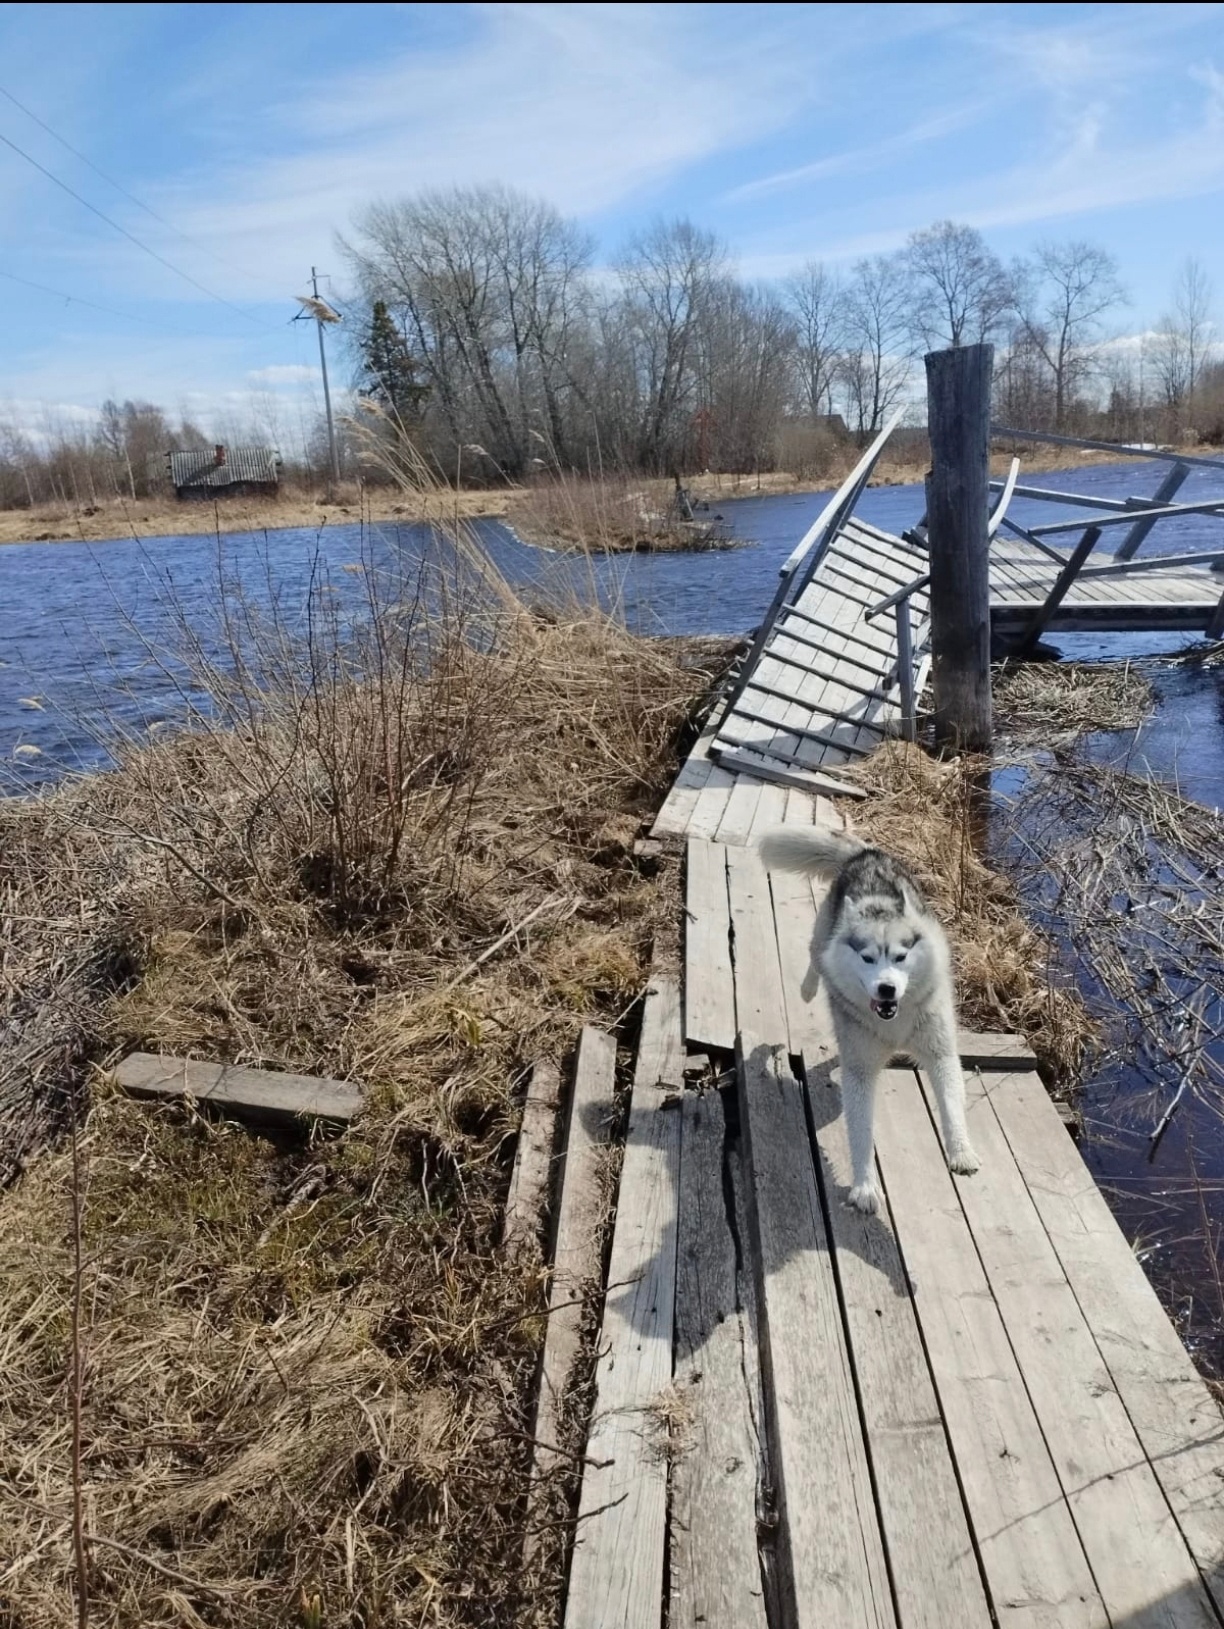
{"x": 481, "y": 326}
{"x": 485, "y": 329}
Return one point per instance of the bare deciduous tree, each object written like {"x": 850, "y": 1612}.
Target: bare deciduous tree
{"x": 818, "y": 303}
{"x": 961, "y": 292}
{"x": 485, "y": 284}
{"x": 1062, "y": 298}
{"x": 879, "y": 348}
{"x": 1181, "y": 340}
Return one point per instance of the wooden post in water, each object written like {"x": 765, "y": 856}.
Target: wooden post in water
{"x": 958, "y": 499}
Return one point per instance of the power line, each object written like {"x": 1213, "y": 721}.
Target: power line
{"x": 130, "y": 196}
{"x": 128, "y": 316}
{"x": 131, "y": 236}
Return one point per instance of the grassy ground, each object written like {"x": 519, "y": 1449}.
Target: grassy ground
{"x": 569, "y": 512}
{"x": 303, "y": 1363}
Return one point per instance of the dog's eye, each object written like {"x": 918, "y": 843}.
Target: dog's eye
{"x": 900, "y": 956}
{"x": 868, "y": 956}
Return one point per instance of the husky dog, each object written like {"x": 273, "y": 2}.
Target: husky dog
{"x": 888, "y": 976}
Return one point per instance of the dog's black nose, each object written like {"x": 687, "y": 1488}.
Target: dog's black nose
{"x": 887, "y": 992}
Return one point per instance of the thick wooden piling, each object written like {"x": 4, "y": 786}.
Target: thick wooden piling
{"x": 958, "y": 496}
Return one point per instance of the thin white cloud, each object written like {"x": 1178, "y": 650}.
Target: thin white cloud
{"x": 286, "y": 373}
{"x": 855, "y": 160}
{"x": 587, "y": 105}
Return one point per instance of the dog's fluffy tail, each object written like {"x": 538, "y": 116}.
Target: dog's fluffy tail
{"x": 815, "y": 850}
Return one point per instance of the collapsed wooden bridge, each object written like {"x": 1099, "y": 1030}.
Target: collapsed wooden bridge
{"x": 969, "y": 1410}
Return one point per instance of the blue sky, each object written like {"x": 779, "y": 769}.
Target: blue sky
{"x": 795, "y": 131}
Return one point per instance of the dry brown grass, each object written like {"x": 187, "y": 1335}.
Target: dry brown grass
{"x": 1036, "y": 701}
{"x": 934, "y": 815}
{"x": 612, "y": 515}
{"x": 305, "y": 1362}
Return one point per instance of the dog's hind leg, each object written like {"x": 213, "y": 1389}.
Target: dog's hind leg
{"x": 858, "y": 1104}
{"x": 945, "y": 1072}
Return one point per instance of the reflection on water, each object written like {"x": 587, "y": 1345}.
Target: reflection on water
{"x": 90, "y": 631}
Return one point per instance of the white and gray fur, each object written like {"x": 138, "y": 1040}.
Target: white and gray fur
{"x": 888, "y": 977}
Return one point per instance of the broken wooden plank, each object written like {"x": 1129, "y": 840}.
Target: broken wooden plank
{"x": 1031, "y": 1555}
{"x": 578, "y": 1246}
{"x": 833, "y": 1558}
{"x": 531, "y": 1178}
{"x": 616, "y": 1574}
{"x": 709, "y": 994}
{"x": 715, "y": 1567}
{"x": 930, "y": 1551}
{"x": 1174, "y": 1415}
{"x": 256, "y": 1094}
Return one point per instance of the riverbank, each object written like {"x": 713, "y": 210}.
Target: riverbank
{"x": 580, "y": 519}
{"x": 303, "y": 1363}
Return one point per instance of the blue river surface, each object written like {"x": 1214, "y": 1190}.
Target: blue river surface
{"x": 89, "y": 642}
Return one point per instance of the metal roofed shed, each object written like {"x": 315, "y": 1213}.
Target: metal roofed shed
{"x": 219, "y": 471}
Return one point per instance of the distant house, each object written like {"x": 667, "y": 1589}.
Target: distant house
{"x": 219, "y": 471}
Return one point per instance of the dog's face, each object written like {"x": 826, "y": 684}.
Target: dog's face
{"x": 881, "y": 954}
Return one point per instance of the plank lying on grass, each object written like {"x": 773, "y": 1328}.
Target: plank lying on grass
{"x": 616, "y": 1576}
{"x": 579, "y": 1236}
{"x": 531, "y": 1178}
{"x": 256, "y": 1094}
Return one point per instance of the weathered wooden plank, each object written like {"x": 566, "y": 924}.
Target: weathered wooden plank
{"x": 531, "y": 1178}
{"x": 1109, "y": 1486}
{"x": 255, "y": 1094}
{"x": 1032, "y": 1559}
{"x": 1171, "y": 1410}
{"x": 715, "y": 1569}
{"x": 578, "y": 1235}
{"x": 759, "y": 1003}
{"x": 795, "y": 924}
{"x": 711, "y": 802}
{"x": 616, "y": 1574}
{"x": 833, "y": 1569}
{"x": 709, "y": 990}
{"x": 983, "y": 1051}
{"x": 673, "y": 817}
{"x": 931, "y": 1554}
{"x": 736, "y": 822}
{"x": 770, "y": 809}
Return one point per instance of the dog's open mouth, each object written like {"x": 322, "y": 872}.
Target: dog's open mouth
{"x": 884, "y": 1009}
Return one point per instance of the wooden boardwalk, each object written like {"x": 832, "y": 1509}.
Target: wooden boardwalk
{"x": 823, "y": 687}
{"x": 969, "y": 1410}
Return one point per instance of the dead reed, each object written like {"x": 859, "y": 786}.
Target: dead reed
{"x": 303, "y": 1363}
{"x": 935, "y": 815}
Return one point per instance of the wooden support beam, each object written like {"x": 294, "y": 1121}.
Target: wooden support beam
{"x": 253, "y": 1094}
{"x": 744, "y": 761}
{"x": 1061, "y": 588}
{"x": 958, "y": 494}
{"x": 1215, "y": 627}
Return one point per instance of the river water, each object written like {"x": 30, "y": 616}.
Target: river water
{"x": 88, "y": 641}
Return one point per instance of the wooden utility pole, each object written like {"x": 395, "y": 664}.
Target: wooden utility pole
{"x": 958, "y": 493}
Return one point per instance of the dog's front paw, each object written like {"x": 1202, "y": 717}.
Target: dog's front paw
{"x": 866, "y": 1197}
{"x": 963, "y": 1161}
